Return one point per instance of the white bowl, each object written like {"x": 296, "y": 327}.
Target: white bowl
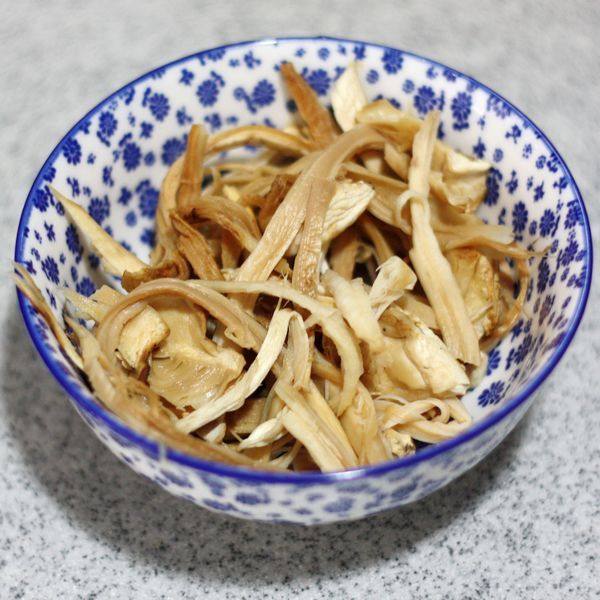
{"x": 112, "y": 161}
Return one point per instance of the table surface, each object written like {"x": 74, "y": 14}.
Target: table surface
{"x": 74, "y": 522}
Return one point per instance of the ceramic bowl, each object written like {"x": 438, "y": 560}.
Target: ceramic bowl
{"x": 113, "y": 160}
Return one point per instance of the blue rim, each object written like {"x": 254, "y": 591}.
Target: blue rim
{"x": 89, "y": 405}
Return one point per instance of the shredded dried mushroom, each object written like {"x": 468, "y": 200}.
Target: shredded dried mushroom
{"x": 322, "y": 306}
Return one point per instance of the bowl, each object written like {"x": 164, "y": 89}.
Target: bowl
{"x": 112, "y": 162}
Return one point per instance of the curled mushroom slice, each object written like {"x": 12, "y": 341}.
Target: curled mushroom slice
{"x": 115, "y": 258}
{"x": 234, "y": 397}
{"x": 353, "y": 301}
{"x": 317, "y": 118}
{"x": 192, "y": 244}
{"x": 347, "y": 97}
{"x": 401, "y": 444}
{"x": 258, "y": 135}
{"x": 28, "y": 288}
{"x": 360, "y": 424}
{"x": 139, "y": 336}
{"x": 230, "y": 216}
{"x": 396, "y": 124}
{"x": 393, "y": 278}
{"x": 391, "y": 414}
{"x": 479, "y": 285}
{"x": 330, "y": 320}
{"x": 462, "y": 181}
{"x": 349, "y": 201}
{"x": 313, "y": 432}
{"x": 440, "y": 370}
{"x": 432, "y": 432}
{"x": 289, "y": 216}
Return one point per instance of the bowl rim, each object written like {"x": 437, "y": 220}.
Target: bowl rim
{"x": 116, "y": 425}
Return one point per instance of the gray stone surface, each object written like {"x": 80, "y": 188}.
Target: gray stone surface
{"x": 76, "y": 523}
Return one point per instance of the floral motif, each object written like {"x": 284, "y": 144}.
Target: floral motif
{"x": 492, "y": 395}
{"x": 99, "y": 209}
{"x": 461, "y": 109}
{"x": 519, "y": 217}
{"x": 72, "y": 151}
{"x": 208, "y": 90}
{"x": 392, "y": 60}
{"x": 318, "y": 79}
{"x": 262, "y": 95}
{"x": 425, "y": 100}
{"x": 172, "y": 149}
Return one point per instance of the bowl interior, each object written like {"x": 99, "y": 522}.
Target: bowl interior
{"x": 112, "y": 162}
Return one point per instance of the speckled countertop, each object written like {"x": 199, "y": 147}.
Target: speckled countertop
{"x": 76, "y": 523}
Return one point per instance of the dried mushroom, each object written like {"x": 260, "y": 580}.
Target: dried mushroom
{"x": 322, "y": 305}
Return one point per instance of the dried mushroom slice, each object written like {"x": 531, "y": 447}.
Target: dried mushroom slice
{"x": 115, "y": 258}
{"x": 479, "y": 285}
{"x": 347, "y": 97}
{"x": 317, "y": 118}
{"x": 432, "y": 268}
{"x": 349, "y": 201}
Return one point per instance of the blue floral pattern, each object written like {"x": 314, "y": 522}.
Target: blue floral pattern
{"x": 113, "y": 163}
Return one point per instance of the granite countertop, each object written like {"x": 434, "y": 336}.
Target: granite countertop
{"x": 76, "y": 523}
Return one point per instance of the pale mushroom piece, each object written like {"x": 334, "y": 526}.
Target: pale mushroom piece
{"x": 361, "y": 426}
{"x": 398, "y": 161}
{"x": 192, "y": 172}
{"x": 438, "y": 367}
{"x": 234, "y": 397}
{"x": 330, "y": 320}
{"x": 258, "y": 135}
{"x": 394, "y": 277}
{"x": 192, "y": 376}
{"x": 391, "y": 414}
{"x": 394, "y": 367}
{"x": 232, "y": 193}
{"x": 139, "y": 336}
{"x": 265, "y": 433}
{"x": 85, "y": 307}
{"x": 383, "y": 250}
{"x": 479, "y": 286}
{"x": 462, "y": 181}
{"x": 146, "y": 420}
{"x": 349, "y": 201}
{"x": 432, "y": 432}
{"x": 396, "y": 124}
{"x": 343, "y": 253}
{"x": 353, "y": 301}
{"x": 401, "y": 444}
{"x": 417, "y": 305}
{"x": 347, "y": 97}
{"x": 289, "y": 216}
{"x": 310, "y": 429}
{"x": 115, "y": 258}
